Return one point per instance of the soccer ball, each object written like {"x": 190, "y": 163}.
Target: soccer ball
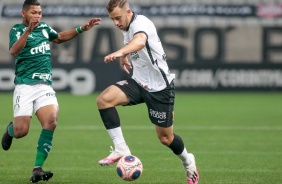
{"x": 129, "y": 168}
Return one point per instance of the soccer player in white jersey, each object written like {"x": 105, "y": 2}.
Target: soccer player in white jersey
{"x": 151, "y": 83}
{"x": 29, "y": 44}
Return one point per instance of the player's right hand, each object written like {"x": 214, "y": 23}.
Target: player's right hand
{"x": 33, "y": 24}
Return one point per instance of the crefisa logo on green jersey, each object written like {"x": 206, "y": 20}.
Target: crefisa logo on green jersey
{"x": 40, "y": 49}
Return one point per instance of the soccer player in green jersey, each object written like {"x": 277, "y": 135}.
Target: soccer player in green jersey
{"x": 29, "y": 44}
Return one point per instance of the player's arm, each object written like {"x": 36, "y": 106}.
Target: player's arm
{"x": 138, "y": 42}
{"x": 70, "y": 34}
{"x": 20, "y": 43}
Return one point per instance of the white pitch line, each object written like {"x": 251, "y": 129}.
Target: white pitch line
{"x": 203, "y": 154}
{"x": 151, "y": 127}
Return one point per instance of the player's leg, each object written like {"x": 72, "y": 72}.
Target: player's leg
{"x": 160, "y": 107}
{"x": 176, "y": 144}
{"x": 48, "y": 118}
{"x": 15, "y": 129}
{"x": 106, "y": 102}
{"x": 121, "y": 94}
{"x": 46, "y": 109}
{"x": 19, "y": 127}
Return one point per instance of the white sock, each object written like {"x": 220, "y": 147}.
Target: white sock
{"x": 184, "y": 157}
{"x": 117, "y": 137}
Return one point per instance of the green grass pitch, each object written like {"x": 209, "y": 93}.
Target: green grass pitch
{"x": 236, "y": 138}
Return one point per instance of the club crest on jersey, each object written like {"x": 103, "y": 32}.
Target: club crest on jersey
{"x": 44, "y": 32}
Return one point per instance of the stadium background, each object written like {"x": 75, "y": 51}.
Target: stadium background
{"x": 211, "y": 45}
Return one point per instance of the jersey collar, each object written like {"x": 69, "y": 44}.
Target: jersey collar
{"x": 132, "y": 19}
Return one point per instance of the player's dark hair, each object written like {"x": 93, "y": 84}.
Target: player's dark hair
{"x": 28, "y": 3}
{"x": 114, "y": 3}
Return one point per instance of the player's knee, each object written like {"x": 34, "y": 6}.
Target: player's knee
{"x": 99, "y": 100}
{"x": 20, "y": 131}
{"x": 165, "y": 140}
{"x": 102, "y": 101}
{"x": 51, "y": 124}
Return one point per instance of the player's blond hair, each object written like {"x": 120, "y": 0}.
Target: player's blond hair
{"x": 116, "y": 3}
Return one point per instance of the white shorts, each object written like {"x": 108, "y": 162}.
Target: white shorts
{"x": 29, "y": 98}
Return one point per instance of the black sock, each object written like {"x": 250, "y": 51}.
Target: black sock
{"x": 177, "y": 145}
{"x": 110, "y": 117}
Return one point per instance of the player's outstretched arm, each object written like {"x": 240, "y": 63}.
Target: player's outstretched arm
{"x": 138, "y": 42}
{"x": 70, "y": 34}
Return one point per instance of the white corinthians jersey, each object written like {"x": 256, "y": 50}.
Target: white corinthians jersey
{"x": 150, "y": 68}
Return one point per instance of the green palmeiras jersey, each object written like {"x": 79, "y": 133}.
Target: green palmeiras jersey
{"x": 33, "y": 64}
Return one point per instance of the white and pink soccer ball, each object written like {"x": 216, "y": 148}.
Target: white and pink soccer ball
{"x": 129, "y": 168}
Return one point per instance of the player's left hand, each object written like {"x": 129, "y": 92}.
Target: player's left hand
{"x": 125, "y": 64}
{"x": 91, "y": 23}
{"x": 111, "y": 57}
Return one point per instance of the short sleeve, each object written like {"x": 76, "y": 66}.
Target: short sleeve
{"x": 52, "y": 34}
{"x": 15, "y": 34}
{"x": 142, "y": 25}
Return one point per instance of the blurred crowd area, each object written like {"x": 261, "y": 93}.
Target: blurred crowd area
{"x": 238, "y": 28}
{"x": 267, "y": 7}
{"x": 149, "y": 2}
{"x": 201, "y": 12}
